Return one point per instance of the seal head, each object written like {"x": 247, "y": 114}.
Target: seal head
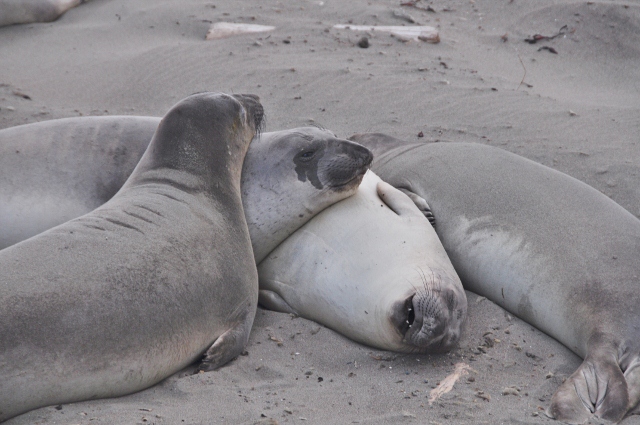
{"x": 372, "y": 268}
{"x": 305, "y": 170}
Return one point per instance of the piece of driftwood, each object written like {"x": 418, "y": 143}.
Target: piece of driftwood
{"x": 404, "y": 33}
{"x": 228, "y": 29}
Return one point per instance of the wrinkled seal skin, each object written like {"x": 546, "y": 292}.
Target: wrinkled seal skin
{"x": 116, "y": 300}
{"x": 372, "y": 268}
{"x": 60, "y": 169}
{"x": 28, "y": 11}
{"x": 543, "y": 245}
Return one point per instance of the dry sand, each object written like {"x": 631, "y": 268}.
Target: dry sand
{"x": 577, "y": 111}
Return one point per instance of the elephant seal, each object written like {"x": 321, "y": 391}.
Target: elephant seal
{"x": 546, "y": 247}
{"x": 371, "y": 269}
{"x": 60, "y": 169}
{"x": 116, "y": 300}
{"x": 27, "y": 11}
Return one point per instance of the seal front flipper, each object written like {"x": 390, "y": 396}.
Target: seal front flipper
{"x": 397, "y": 201}
{"x": 421, "y": 203}
{"x": 598, "y": 387}
{"x": 273, "y": 301}
{"x": 230, "y": 344}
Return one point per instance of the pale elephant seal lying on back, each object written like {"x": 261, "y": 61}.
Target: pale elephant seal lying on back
{"x": 60, "y": 169}
{"x": 546, "y": 247}
{"x": 27, "y": 11}
{"x": 120, "y": 298}
{"x": 375, "y": 273}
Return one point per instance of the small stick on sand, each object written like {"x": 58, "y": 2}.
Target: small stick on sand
{"x": 525, "y": 72}
{"x": 447, "y": 383}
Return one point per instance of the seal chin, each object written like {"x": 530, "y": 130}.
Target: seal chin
{"x": 352, "y": 182}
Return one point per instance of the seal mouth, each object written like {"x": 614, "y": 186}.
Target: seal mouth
{"x": 408, "y": 316}
{"x": 355, "y": 180}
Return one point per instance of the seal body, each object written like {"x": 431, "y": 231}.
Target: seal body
{"x": 162, "y": 274}
{"x": 28, "y": 11}
{"x": 57, "y": 170}
{"x": 544, "y": 246}
{"x": 372, "y": 268}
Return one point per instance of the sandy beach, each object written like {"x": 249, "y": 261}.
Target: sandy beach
{"x": 571, "y": 102}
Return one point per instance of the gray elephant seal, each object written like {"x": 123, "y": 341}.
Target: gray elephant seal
{"x": 372, "y": 268}
{"x": 60, "y": 169}
{"x": 162, "y": 274}
{"x": 27, "y": 11}
{"x": 546, "y": 247}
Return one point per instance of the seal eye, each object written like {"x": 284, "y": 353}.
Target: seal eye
{"x": 306, "y": 156}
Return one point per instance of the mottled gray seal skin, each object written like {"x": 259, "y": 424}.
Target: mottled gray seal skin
{"x": 116, "y": 300}
{"x": 28, "y": 11}
{"x": 372, "y": 268}
{"x": 290, "y": 176}
{"x": 543, "y": 245}
{"x": 60, "y": 169}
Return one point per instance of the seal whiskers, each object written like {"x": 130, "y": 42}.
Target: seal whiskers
{"x": 432, "y": 310}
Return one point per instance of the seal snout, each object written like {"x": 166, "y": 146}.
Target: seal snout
{"x": 255, "y": 111}
{"x": 429, "y": 321}
{"x": 349, "y": 165}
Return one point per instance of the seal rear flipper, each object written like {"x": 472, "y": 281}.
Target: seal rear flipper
{"x": 598, "y": 387}
{"x": 273, "y": 301}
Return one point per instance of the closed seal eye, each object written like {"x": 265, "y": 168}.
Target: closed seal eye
{"x": 307, "y": 154}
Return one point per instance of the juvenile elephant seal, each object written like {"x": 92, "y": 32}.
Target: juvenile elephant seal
{"x": 27, "y": 11}
{"x": 120, "y": 298}
{"x": 60, "y": 169}
{"x": 371, "y": 269}
{"x": 543, "y": 245}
